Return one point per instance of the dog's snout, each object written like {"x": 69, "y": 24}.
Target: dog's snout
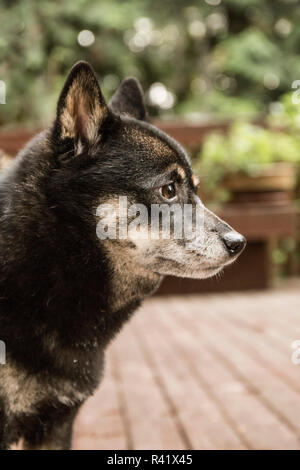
{"x": 234, "y": 242}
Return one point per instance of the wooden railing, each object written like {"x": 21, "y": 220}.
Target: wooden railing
{"x": 189, "y": 135}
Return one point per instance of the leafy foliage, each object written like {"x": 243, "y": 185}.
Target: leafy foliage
{"x": 220, "y": 58}
{"x": 244, "y": 150}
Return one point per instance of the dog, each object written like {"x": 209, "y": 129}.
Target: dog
{"x": 64, "y": 291}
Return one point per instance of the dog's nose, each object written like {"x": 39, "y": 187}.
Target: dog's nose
{"x": 234, "y": 242}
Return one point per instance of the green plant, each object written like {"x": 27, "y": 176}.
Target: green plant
{"x": 225, "y": 58}
{"x": 286, "y": 113}
{"x": 245, "y": 149}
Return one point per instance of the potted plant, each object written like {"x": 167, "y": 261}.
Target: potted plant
{"x": 249, "y": 163}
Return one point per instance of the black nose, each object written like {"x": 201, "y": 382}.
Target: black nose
{"x": 234, "y": 242}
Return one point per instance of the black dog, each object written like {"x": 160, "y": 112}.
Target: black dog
{"x": 64, "y": 291}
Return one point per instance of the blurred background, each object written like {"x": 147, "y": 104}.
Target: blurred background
{"x": 203, "y": 60}
{"x": 222, "y": 77}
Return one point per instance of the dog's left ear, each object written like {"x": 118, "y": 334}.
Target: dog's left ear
{"x": 81, "y": 109}
{"x": 129, "y": 99}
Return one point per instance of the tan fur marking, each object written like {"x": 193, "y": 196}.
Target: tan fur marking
{"x": 181, "y": 172}
{"x": 82, "y": 110}
{"x": 5, "y": 161}
{"x": 23, "y": 391}
{"x": 195, "y": 181}
{"x": 124, "y": 261}
{"x": 177, "y": 168}
{"x": 153, "y": 144}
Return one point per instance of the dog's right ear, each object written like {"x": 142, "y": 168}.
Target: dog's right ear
{"x": 129, "y": 99}
{"x": 81, "y": 109}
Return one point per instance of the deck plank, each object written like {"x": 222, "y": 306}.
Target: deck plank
{"x": 100, "y": 424}
{"x": 192, "y": 401}
{"x": 152, "y": 425}
{"x": 201, "y": 372}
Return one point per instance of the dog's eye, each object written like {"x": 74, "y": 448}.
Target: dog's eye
{"x": 168, "y": 191}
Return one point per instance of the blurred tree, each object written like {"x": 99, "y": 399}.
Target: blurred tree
{"x": 198, "y": 58}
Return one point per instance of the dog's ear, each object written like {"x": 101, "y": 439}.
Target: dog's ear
{"x": 81, "y": 109}
{"x": 129, "y": 99}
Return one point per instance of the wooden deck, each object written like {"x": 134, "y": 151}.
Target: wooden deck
{"x": 201, "y": 372}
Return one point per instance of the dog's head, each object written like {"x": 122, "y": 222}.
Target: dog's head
{"x": 115, "y": 160}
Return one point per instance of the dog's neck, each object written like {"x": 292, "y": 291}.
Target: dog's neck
{"x": 130, "y": 281}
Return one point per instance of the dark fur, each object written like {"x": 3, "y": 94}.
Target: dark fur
{"x": 59, "y": 303}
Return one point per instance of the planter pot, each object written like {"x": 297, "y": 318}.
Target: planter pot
{"x": 279, "y": 176}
